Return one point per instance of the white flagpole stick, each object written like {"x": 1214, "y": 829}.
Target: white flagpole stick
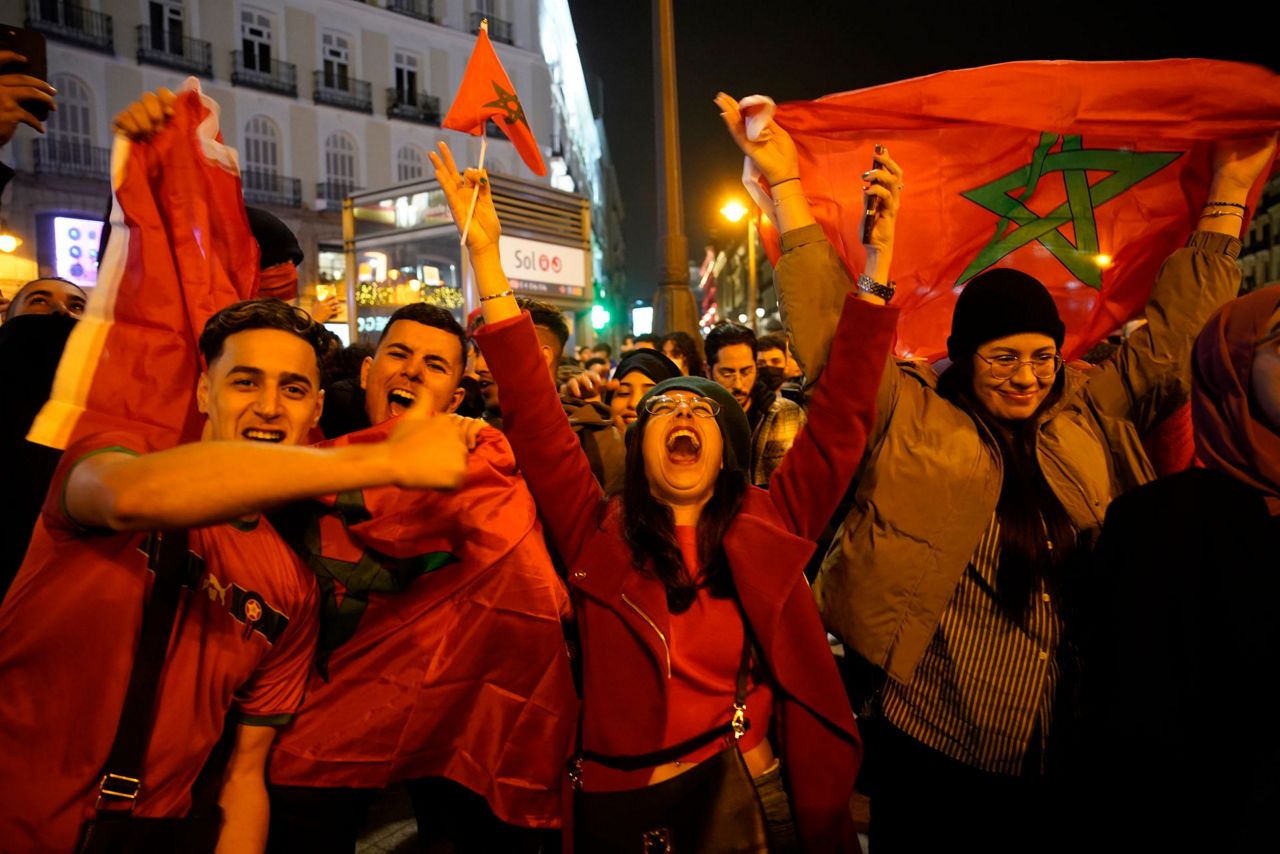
{"x": 466, "y": 226}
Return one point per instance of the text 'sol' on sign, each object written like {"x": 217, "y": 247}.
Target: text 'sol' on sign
{"x": 533, "y": 261}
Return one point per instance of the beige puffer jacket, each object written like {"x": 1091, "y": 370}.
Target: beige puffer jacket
{"x": 931, "y": 477}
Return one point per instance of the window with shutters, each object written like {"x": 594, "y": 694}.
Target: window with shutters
{"x": 255, "y": 40}
{"x": 406, "y": 77}
{"x": 409, "y": 163}
{"x": 340, "y": 160}
{"x": 335, "y": 50}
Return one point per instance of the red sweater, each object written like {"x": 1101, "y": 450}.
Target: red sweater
{"x": 706, "y": 652}
{"x": 622, "y": 615}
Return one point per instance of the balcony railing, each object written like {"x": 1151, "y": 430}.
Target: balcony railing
{"x": 413, "y": 107}
{"x": 167, "y": 48}
{"x": 423, "y": 10}
{"x": 499, "y": 30}
{"x": 270, "y": 76}
{"x": 73, "y": 158}
{"x": 346, "y": 92}
{"x": 269, "y": 188}
{"x": 333, "y": 192}
{"x": 71, "y": 23}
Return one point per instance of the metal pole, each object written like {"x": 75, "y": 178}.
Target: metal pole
{"x": 674, "y": 307}
{"x": 751, "y": 274}
{"x": 349, "y": 261}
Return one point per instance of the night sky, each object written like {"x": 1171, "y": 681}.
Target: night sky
{"x": 803, "y": 50}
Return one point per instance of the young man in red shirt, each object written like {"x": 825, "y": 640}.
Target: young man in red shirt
{"x": 245, "y": 632}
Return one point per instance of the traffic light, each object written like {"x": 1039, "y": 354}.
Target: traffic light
{"x": 599, "y": 317}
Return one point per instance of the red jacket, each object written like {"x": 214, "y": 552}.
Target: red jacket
{"x": 622, "y": 615}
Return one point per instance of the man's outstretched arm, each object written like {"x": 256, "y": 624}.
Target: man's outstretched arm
{"x": 208, "y": 482}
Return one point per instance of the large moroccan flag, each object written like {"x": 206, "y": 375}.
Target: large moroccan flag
{"x": 486, "y": 93}
{"x": 442, "y": 652}
{"x": 1085, "y": 175}
{"x": 180, "y": 249}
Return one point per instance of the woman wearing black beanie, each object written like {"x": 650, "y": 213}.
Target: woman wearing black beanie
{"x": 980, "y": 492}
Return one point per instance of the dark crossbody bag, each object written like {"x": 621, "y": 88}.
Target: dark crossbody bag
{"x": 114, "y": 829}
{"x": 712, "y": 808}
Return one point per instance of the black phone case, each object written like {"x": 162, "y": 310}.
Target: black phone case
{"x": 31, "y": 45}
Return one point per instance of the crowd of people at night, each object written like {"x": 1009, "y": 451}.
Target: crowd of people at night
{"x": 537, "y": 586}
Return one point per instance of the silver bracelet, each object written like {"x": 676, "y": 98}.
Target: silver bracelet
{"x": 868, "y": 285}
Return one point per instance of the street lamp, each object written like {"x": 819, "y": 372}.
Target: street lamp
{"x": 9, "y": 242}
{"x": 734, "y": 212}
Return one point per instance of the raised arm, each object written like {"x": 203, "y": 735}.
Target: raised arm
{"x": 1149, "y": 377}
{"x": 816, "y": 471}
{"x": 208, "y": 482}
{"x": 557, "y": 471}
{"x": 811, "y": 299}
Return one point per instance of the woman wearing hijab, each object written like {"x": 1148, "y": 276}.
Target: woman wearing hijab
{"x": 689, "y": 590}
{"x": 1184, "y": 638}
{"x": 981, "y": 493}
{"x": 638, "y": 371}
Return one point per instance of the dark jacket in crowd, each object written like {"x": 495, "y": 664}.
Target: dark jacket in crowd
{"x": 30, "y": 347}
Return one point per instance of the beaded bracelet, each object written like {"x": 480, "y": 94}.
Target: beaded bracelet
{"x": 507, "y": 293}
{"x": 1224, "y": 205}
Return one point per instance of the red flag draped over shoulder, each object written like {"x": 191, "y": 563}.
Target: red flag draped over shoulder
{"x": 180, "y": 249}
{"x": 486, "y": 93}
{"x": 442, "y": 652}
{"x": 1085, "y": 175}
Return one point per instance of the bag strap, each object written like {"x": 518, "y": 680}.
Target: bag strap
{"x": 120, "y": 784}
{"x": 736, "y": 727}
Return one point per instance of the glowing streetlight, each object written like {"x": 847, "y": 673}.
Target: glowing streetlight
{"x": 9, "y": 241}
{"x": 733, "y": 211}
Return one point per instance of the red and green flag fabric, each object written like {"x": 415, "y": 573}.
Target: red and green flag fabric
{"x": 442, "y": 647}
{"x": 1085, "y": 175}
{"x": 180, "y": 248}
{"x": 486, "y": 93}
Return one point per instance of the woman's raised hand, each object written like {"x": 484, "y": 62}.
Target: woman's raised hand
{"x": 884, "y": 184}
{"x": 773, "y": 151}
{"x": 1237, "y": 163}
{"x": 458, "y": 190}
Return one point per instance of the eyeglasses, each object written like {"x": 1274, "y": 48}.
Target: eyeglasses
{"x": 1044, "y": 366}
{"x": 702, "y": 407}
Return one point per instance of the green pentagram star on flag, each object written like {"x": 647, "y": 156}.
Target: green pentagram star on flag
{"x": 1007, "y": 197}
{"x": 509, "y": 104}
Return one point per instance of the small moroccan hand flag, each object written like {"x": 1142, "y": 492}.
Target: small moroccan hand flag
{"x": 486, "y": 93}
{"x": 1086, "y": 175}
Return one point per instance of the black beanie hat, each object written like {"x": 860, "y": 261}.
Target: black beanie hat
{"x": 1001, "y": 302}
{"x": 732, "y": 420}
{"x": 276, "y": 241}
{"x": 651, "y": 363}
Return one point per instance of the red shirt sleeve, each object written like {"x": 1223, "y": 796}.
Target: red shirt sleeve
{"x": 56, "y": 519}
{"x": 548, "y": 452}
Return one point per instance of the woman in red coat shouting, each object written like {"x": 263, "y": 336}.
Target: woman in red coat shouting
{"x": 689, "y": 589}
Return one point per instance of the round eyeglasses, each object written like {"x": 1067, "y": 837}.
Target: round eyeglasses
{"x": 1004, "y": 366}
{"x": 702, "y": 407}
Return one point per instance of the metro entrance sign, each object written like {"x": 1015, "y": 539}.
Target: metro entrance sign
{"x": 538, "y": 267}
